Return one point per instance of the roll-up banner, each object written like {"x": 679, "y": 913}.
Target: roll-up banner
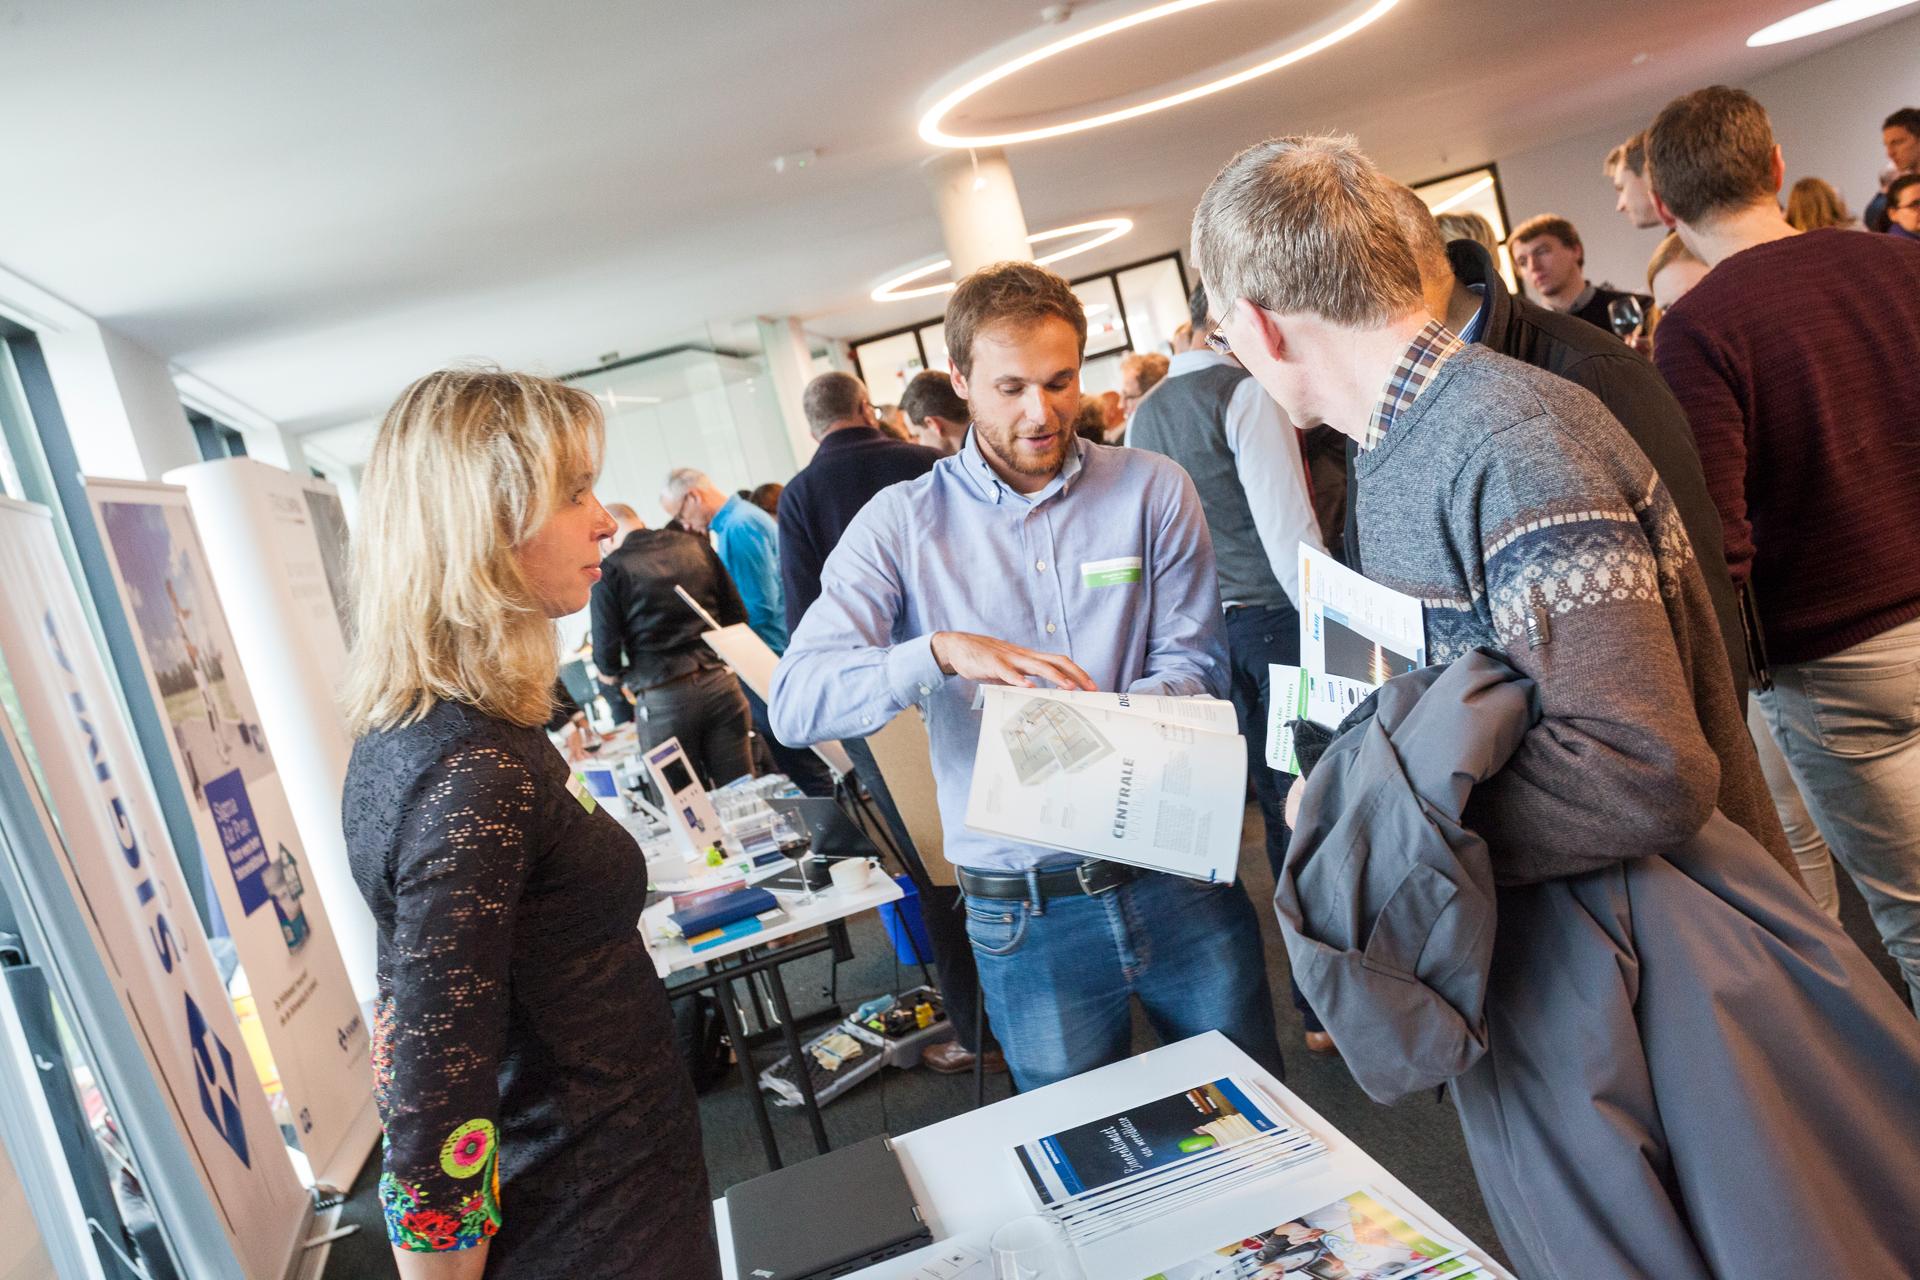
{"x": 118, "y": 866}
{"x": 260, "y": 868}
{"x": 277, "y": 545}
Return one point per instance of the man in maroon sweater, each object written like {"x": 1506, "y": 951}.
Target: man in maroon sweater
{"x": 1797, "y": 359}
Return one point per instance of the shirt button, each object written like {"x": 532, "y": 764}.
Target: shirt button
{"x": 924, "y": 691}
{"x": 1049, "y": 628}
{"x": 866, "y": 719}
{"x": 1040, "y": 564}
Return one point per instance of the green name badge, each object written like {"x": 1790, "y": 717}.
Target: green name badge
{"x": 577, "y": 788}
{"x": 1110, "y": 573}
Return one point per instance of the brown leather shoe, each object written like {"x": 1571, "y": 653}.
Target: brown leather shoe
{"x": 1321, "y": 1043}
{"x": 949, "y": 1059}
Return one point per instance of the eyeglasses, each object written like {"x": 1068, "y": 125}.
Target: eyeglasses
{"x": 1217, "y": 340}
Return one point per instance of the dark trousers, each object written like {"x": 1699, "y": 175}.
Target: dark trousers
{"x": 1256, "y": 637}
{"x": 939, "y": 906}
{"x": 708, "y": 714}
{"x": 808, "y": 771}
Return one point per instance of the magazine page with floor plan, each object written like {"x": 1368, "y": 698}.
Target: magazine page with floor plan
{"x": 1153, "y": 781}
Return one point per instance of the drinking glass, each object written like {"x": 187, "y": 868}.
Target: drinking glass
{"x": 1625, "y": 315}
{"x": 1035, "y": 1248}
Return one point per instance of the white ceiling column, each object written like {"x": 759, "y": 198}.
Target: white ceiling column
{"x": 980, "y": 216}
{"x": 790, "y": 365}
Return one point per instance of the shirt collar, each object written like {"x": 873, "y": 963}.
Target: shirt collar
{"x": 1586, "y": 296}
{"x": 1470, "y": 332}
{"x": 1431, "y": 348}
{"x": 1199, "y": 358}
{"x": 974, "y": 464}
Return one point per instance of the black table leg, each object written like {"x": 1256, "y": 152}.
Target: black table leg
{"x": 802, "y": 1077}
{"x": 736, "y": 1032}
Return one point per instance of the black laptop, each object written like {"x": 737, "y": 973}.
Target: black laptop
{"x": 832, "y": 833}
{"x": 829, "y": 1216}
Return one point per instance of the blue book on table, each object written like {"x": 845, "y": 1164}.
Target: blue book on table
{"x": 741, "y": 904}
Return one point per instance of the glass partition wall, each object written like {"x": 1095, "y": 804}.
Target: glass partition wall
{"x": 1132, "y": 308}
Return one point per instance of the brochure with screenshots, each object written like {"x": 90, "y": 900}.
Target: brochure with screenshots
{"x": 1161, "y": 1156}
{"x": 1150, "y": 780}
{"x": 1355, "y": 1238}
{"x": 1355, "y": 635}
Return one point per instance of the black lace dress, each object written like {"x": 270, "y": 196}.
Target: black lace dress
{"x": 524, "y": 1054}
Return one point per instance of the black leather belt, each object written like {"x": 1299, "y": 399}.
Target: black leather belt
{"x": 1093, "y": 878}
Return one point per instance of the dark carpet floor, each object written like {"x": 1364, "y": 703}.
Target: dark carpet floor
{"x": 1419, "y": 1140}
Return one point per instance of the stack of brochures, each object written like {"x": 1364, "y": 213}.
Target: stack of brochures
{"x": 1161, "y": 1157}
{"x": 1357, "y": 1237}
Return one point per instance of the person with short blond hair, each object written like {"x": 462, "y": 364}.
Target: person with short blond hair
{"x": 1659, "y": 976}
{"x": 539, "y": 1123}
{"x": 1626, "y": 168}
{"x": 1469, "y": 226}
{"x": 1805, "y": 420}
{"x": 1813, "y": 204}
{"x": 1140, "y": 372}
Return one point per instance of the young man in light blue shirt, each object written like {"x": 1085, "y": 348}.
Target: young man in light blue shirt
{"x": 1033, "y": 556}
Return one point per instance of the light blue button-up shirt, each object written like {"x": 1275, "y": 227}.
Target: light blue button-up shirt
{"x": 1109, "y": 565}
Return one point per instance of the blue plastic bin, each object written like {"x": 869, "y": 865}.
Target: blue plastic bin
{"x": 911, "y": 934}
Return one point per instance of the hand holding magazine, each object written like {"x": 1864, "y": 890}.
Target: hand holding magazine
{"x": 1145, "y": 779}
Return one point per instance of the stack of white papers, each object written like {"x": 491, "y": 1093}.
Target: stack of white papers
{"x": 1150, "y": 780}
{"x": 1357, "y": 1237}
{"x": 1161, "y": 1157}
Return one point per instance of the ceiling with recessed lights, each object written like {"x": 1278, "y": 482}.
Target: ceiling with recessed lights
{"x": 308, "y": 205}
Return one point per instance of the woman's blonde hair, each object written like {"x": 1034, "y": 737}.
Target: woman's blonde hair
{"x": 468, "y": 463}
{"x": 1813, "y": 204}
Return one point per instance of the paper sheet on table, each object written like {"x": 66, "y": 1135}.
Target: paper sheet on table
{"x": 1146, "y": 780}
{"x": 754, "y": 662}
{"x": 1354, "y": 636}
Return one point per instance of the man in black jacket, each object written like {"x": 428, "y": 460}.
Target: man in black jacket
{"x": 1463, "y": 287}
{"x": 645, "y": 636}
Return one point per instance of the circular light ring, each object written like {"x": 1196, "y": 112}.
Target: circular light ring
{"x": 930, "y": 123}
{"x": 1462, "y": 196}
{"x": 1111, "y": 228}
{"x": 1822, "y": 17}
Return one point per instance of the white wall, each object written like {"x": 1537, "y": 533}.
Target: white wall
{"x": 1826, "y": 111}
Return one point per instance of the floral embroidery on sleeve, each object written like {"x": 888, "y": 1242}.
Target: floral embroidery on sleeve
{"x": 469, "y": 1151}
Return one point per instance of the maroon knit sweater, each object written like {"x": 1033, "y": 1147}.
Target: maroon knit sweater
{"x": 1798, "y": 363}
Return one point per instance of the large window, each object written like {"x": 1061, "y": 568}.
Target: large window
{"x": 1132, "y": 308}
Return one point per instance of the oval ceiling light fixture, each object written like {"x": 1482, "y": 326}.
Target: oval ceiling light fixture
{"x": 1364, "y": 12}
{"x": 1111, "y": 229}
{"x": 1822, "y": 17}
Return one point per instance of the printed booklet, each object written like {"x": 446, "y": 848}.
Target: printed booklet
{"x": 1163, "y": 1155}
{"x": 1355, "y": 635}
{"x": 1150, "y": 780}
{"x": 1354, "y": 1238}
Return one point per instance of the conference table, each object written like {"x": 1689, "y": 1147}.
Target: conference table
{"x": 963, "y": 1173}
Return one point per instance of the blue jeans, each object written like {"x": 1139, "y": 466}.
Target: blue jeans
{"x": 1057, "y": 975}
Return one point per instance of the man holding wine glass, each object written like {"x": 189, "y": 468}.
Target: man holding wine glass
{"x": 1548, "y": 254}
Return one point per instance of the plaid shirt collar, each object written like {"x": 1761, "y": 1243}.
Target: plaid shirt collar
{"x": 1432, "y": 347}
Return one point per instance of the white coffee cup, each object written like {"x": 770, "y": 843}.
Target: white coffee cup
{"x": 850, "y": 876}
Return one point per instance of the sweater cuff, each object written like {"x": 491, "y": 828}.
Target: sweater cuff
{"x": 913, "y": 673}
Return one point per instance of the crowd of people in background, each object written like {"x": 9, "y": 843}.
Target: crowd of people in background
{"x": 1685, "y": 521}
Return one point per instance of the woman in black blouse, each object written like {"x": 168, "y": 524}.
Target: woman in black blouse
{"x": 538, "y": 1119}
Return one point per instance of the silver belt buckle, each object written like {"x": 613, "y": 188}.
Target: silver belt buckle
{"x": 1080, "y": 874}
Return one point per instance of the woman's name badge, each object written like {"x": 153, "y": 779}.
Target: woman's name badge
{"x": 577, "y": 788}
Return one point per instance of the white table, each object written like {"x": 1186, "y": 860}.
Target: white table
{"x": 829, "y": 904}
{"x": 965, "y": 1180}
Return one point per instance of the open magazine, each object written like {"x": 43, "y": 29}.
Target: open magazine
{"x": 1354, "y": 1238}
{"x": 1355, "y": 635}
{"x": 1149, "y": 780}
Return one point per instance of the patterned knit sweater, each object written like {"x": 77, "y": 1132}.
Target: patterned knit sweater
{"x": 1514, "y": 506}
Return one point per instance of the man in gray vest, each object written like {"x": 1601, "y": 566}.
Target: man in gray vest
{"x": 1211, "y": 417}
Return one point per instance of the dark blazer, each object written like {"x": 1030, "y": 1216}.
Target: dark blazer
{"x": 850, "y": 466}
{"x": 642, "y": 631}
{"x": 1635, "y": 393}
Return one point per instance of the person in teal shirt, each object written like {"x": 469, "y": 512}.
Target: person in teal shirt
{"x": 748, "y": 541}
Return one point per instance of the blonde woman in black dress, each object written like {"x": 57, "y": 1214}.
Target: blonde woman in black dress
{"x": 539, "y": 1122}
